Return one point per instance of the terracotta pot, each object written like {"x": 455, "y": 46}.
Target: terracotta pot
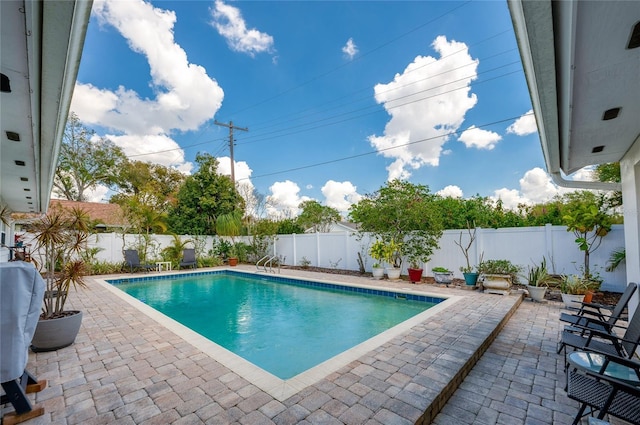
{"x": 233, "y": 261}
{"x": 588, "y": 297}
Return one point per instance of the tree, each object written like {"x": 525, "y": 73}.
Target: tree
{"x": 317, "y": 217}
{"x": 610, "y": 172}
{"x": 202, "y": 198}
{"x": 147, "y": 192}
{"x": 85, "y": 161}
{"x": 482, "y": 211}
{"x": 401, "y": 214}
{"x": 586, "y": 217}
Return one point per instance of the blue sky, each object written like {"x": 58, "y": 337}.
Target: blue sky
{"x": 338, "y": 96}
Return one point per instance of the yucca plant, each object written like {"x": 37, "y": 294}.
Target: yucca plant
{"x": 61, "y": 236}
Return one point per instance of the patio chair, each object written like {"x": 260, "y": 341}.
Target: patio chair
{"x": 132, "y": 260}
{"x": 602, "y": 392}
{"x": 590, "y": 315}
{"x": 605, "y": 342}
{"x": 189, "y": 258}
{"x": 21, "y": 293}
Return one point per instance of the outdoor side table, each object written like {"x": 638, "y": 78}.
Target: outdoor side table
{"x": 593, "y": 362}
{"x": 604, "y": 385}
{"x": 166, "y": 264}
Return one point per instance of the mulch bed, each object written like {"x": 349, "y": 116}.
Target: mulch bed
{"x": 602, "y": 297}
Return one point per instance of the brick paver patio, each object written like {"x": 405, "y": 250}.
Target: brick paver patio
{"x": 126, "y": 368}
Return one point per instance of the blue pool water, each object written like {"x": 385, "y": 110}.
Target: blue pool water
{"x": 284, "y": 326}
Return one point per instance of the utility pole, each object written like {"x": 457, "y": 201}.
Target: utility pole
{"x": 231, "y": 127}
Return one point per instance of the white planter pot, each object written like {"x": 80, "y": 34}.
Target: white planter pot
{"x": 537, "y": 292}
{"x": 571, "y": 300}
{"x": 497, "y": 283}
{"x": 378, "y": 273}
{"x": 443, "y": 277}
{"x": 393, "y": 273}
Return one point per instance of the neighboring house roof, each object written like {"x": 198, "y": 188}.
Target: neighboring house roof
{"x": 341, "y": 226}
{"x": 109, "y": 214}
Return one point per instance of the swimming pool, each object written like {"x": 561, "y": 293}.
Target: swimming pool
{"x": 295, "y": 313}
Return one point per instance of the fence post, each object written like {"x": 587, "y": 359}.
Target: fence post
{"x": 548, "y": 242}
{"x": 317, "y": 249}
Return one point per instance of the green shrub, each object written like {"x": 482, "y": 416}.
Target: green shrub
{"x": 97, "y": 267}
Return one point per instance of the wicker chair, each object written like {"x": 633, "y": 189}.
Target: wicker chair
{"x": 605, "y": 394}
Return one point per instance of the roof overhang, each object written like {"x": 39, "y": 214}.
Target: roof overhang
{"x": 41, "y": 48}
{"x": 580, "y": 69}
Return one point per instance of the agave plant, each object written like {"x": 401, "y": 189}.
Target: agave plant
{"x": 61, "y": 236}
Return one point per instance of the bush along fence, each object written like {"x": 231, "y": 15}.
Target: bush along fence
{"x": 524, "y": 246}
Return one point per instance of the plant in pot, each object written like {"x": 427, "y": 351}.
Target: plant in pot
{"x": 417, "y": 256}
{"x": 393, "y": 257}
{"x": 573, "y": 289}
{"x": 498, "y": 275}
{"x": 538, "y": 280}
{"x": 442, "y": 275}
{"x": 230, "y": 225}
{"x": 60, "y": 239}
{"x": 377, "y": 252}
{"x": 469, "y": 273}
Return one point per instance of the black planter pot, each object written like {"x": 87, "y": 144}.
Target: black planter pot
{"x": 53, "y": 334}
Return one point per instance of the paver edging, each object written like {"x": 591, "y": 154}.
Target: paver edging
{"x": 441, "y": 399}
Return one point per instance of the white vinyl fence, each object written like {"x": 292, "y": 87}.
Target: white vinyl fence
{"x": 523, "y": 246}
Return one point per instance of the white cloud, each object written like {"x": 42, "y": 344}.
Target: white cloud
{"x": 159, "y": 149}
{"x": 340, "y": 195}
{"x": 450, "y": 191}
{"x": 228, "y": 21}
{"x": 284, "y": 200}
{"x": 586, "y": 174}
{"x": 350, "y": 49}
{"x": 477, "y": 138}
{"x": 510, "y": 198}
{"x": 241, "y": 169}
{"x": 186, "y": 97}
{"x": 97, "y": 194}
{"x": 524, "y": 125}
{"x": 536, "y": 187}
{"x": 427, "y": 102}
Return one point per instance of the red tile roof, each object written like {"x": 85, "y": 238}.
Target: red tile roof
{"x": 109, "y": 214}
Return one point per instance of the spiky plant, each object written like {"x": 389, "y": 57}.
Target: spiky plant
{"x": 61, "y": 236}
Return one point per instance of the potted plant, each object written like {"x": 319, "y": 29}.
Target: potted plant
{"x": 498, "y": 275}
{"x": 573, "y": 289}
{"x": 442, "y": 275}
{"x": 60, "y": 238}
{"x": 417, "y": 257}
{"x": 538, "y": 279}
{"x": 230, "y": 225}
{"x": 469, "y": 273}
{"x": 393, "y": 257}
{"x": 377, "y": 252}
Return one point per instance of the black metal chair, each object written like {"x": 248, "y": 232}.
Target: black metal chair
{"x": 590, "y": 315}
{"x": 132, "y": 260}
{"x": 189, "y": 258}
{"x": 606, "y": 342}
{"x": 605, "y": 394}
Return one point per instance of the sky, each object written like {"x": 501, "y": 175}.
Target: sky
{"x": 336, "y": 97}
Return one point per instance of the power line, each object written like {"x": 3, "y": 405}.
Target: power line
{"x": 345, "y": 158}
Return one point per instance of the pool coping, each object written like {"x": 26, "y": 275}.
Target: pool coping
{"x": 276, "y": 387}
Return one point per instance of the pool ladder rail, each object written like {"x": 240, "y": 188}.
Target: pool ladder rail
{"x": 265, "y": 264}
